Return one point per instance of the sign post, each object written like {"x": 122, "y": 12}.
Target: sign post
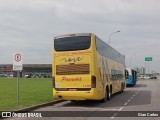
{"x": 17, "y": 66}
{"x": 148, "y": 59}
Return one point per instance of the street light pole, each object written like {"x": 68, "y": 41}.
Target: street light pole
{"x": 111, "y": 35}
{"x": 158, "y": 67}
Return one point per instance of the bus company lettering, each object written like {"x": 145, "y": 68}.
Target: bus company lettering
{"x": 64, "y": 78}
{"x": 72, "y": 59}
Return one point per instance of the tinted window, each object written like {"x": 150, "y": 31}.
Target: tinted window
{"x": 107, "y": 51}
{"x": 126, "y": 74}
{"x": 72, "y": 43}
{"x": 116, "y": 74}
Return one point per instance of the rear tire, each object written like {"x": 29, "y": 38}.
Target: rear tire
{"x": 122, "y": 89}
{"x": 109, "y": 93}
{"x": 105, "y": 97}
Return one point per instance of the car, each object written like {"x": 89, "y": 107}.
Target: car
{"x": 153, "y": 77}
{"x": 3, "y": 75}
{"x": 27, "y": 76}
{"x": 141, "y": 77}
{"x": 147, "y": 77}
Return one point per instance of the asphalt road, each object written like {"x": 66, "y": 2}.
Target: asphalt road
{"x": 145, "y": 96}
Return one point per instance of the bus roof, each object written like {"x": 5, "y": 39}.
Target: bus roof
{"x": 72, "y": 35}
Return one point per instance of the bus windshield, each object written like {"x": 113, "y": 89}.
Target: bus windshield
{"x": 72, "y": 43}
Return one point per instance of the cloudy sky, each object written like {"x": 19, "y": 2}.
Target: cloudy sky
{"x": 28, "y": 26}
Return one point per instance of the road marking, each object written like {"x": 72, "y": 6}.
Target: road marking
{"x": 101, "y": 109}
{"x": 133, "y": 96}
{"x": 138, "y": 91}
{"x": 114, "y": 115}
{"x": 91, "y": 108}
{"x": 61, "y": 104}
{"x": 121, "y": 109}
{"x": 126, "y": 103}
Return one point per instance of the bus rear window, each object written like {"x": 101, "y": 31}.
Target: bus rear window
{"x": 72, "y": 43}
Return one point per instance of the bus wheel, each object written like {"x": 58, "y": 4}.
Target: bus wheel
{"x": 122, "y": 89}
{"x": 105, "y": 97}
{"x": 108, "y": 94}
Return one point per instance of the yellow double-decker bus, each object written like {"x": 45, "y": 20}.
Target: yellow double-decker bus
{"x": 86, "y": 68}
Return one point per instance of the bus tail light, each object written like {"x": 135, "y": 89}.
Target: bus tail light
{"x": 53, "y": 81}
{"x": 93, "y": 82}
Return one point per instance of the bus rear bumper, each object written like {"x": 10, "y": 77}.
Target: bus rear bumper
{"x": 76, "y": 95}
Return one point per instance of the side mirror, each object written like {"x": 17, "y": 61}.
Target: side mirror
{"x": 126, "y": 74}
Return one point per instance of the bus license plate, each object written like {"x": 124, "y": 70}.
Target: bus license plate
{"x": 72, "y": 89}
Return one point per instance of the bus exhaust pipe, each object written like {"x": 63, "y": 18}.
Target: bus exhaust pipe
{"x": 59, "y": 96}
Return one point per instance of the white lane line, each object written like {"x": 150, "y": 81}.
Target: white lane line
{"x": 138, "y": 91}
{"x": 61, "y": 104}
{"x": 133, "y": 96}
{"x": 114, "y": 115}
{"x": 126, "y": 103}
{"x": 86, "y": 108}
{"x": 121, "y": 109}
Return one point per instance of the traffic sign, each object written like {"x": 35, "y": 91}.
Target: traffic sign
{"x": 17, "y": 62}
{"x": 148, "y": 58}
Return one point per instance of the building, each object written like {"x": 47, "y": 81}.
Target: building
{"x": 141, "y": 70}
{"x": 29, "y": 70}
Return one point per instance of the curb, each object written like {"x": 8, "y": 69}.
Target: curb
{"x": 39, "y": 106}
{"x": 35, "y": 107}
